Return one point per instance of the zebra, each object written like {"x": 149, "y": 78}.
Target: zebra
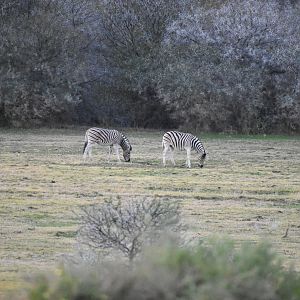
{"x": 110, "y": 137}
{"x": 181, "y": 141}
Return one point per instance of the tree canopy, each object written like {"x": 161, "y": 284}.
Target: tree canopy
{"x": 203, "y": 65}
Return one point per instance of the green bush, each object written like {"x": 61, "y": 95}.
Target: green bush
{"x": 213, "y": 270}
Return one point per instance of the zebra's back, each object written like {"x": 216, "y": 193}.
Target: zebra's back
{"x": 103, "y": 136}
{"x": 177, "y": 139}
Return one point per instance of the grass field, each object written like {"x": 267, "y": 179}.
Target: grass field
{"x": 249, "y": 189}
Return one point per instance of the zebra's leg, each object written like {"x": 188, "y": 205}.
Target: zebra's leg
{"x": 172, "y": 156}
{"x": 117, "y": 152}
{"x": 166, "y": 148}
{"x": 109, "y": 152}
{"x": 90, "y": 151}
{"x": 188, "y": 157}
{"x": 87, "y": 151}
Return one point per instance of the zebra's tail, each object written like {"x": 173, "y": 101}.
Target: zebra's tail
{"x": 85, "y": 144}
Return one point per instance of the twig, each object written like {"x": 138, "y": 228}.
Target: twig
{"x": 286, "y": 232}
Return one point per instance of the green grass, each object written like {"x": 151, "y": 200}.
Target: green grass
{"x": 249, "y": 190}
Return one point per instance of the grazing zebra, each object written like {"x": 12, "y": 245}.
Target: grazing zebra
{"x": 181, "y": 141}
{"x": 110, "y": 137}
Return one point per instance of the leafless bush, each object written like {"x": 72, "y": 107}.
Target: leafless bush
{"x": 128, "y": 226}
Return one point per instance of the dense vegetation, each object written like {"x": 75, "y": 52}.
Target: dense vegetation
{"x": 210, "y": 271}
{"x": 208, "y": 65}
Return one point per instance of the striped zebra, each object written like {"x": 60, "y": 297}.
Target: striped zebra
{"x": 110, "y": 137}
{"x": 179, "y": 140}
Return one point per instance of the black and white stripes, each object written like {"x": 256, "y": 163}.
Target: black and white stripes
{"x": 110, "y": 137}
{"x": 182, "y": 141}
{"x": 171, "y": 140}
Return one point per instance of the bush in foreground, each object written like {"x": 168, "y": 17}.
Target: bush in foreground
{"x": 213, "y": 270}
{"x": 129, "y": 226}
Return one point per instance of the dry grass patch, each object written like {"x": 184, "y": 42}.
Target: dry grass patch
{"x": 249, "y": 189}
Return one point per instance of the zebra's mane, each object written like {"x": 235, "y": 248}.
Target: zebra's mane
{"x": 124, "y": 143}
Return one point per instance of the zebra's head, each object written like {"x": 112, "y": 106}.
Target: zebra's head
{"x": 125, "y": 145}
{"x": 126, "y": 153}
{"x": 202, "y": 159}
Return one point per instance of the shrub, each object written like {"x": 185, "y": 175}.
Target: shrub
{"x": 128, "y": 226}
{"x": 213, "y": 270}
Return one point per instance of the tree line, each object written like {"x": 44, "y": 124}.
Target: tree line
{"x": 209, "y": 65}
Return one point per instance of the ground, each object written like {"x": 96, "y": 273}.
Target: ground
{"x": 248, "y": 190}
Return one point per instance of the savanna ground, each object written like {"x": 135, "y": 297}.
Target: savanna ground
{"x": 248, "y": 190}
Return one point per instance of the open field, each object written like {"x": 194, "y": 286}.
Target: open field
{"x": 249, "y": 189}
